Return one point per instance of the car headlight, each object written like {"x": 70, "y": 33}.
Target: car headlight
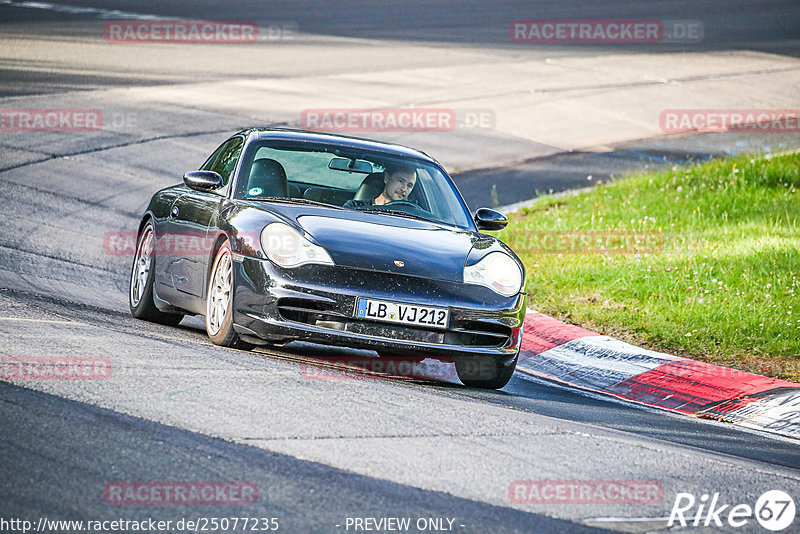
{"x": 288, "y": 248}
{"x": 498, "y": 272}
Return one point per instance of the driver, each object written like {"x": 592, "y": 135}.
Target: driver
{"x": 398, "y": 183}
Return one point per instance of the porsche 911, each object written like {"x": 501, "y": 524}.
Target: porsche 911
{"x": 335, "y": 240}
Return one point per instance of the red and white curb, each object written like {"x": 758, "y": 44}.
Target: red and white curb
{"x": 581, "y": 358}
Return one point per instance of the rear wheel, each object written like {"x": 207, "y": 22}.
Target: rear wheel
{"x": 485, "y": 371}
{"x": 219, "y": 302}
{"x": 140, "y": 295}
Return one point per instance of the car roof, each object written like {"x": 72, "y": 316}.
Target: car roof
{"x": 338, "y": 140}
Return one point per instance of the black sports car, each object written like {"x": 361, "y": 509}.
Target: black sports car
{"x": 288, "y": 235}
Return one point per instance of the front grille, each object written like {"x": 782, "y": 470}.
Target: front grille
{"x": 461, "y": 332}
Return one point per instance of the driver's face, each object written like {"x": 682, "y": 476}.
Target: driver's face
{"x": 399, "y": 185}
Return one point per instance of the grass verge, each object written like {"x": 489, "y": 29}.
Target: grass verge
{"x": 701, "y": 260}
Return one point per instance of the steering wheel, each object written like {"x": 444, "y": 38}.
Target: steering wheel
{"x": 403, "y": 203}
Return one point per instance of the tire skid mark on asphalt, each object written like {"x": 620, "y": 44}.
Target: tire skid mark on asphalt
{"x": 172, "y": 394}
{"x": 8, "y": 246}
{"x": 94, "y": 203}
{"x": 110, "y": 317}
{"x": 121, "y": 145}
{"x": 79, "y": 200}
{"x": 27, "y": 319}
{"x": 197, "y": 338}
{"x": 30, "y": 150}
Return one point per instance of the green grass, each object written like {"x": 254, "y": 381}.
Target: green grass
{"x": 714, "y": 275}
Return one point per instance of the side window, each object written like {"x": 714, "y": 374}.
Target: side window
{"x": 223, "y": 161}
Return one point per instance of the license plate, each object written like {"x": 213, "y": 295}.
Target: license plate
{"x": 397, "y": 312}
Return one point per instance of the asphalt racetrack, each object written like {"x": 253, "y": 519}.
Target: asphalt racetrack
{"x": 325, "y": 452}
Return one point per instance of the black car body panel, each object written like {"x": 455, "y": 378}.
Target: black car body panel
{"x": 316, "y": 303}
{"x": 375, "y": 255}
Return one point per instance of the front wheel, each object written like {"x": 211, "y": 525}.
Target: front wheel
{"x": 485, "y": 371}
{"x": 219, "y": 302}
{"x": 140, "y": 294}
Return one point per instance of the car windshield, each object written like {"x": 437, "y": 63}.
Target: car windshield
{"x": 350, "y": 179}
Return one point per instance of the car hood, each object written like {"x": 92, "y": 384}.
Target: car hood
{"x": 393, "y": 244}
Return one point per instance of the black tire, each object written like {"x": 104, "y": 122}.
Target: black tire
{"x": 220, "y": 328}
{"x": 485, "y": 371}
{"x": 140, "y": 292}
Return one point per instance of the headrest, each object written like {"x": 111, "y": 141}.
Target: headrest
{"x": 267, "y": 178}
{"x": 370, "y": 187}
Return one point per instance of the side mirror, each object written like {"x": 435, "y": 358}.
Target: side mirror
{"x": 487, "y": 219}
{"x": 203, "y": 180}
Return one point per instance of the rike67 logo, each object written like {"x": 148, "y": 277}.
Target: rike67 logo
{"x": 774, "y": 510}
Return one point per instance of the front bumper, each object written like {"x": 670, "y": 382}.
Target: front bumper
{"x": 317, "y": 303}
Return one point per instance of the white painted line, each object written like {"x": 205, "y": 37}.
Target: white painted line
{"x": 79, "y": 10}
{"x": 627, "y": 519}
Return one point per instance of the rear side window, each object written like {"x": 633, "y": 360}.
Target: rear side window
{"x": 224, "y": 159}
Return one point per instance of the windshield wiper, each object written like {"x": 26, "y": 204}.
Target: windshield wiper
{"x": 400, "y": 214}
{"x": 296, "y": 201}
